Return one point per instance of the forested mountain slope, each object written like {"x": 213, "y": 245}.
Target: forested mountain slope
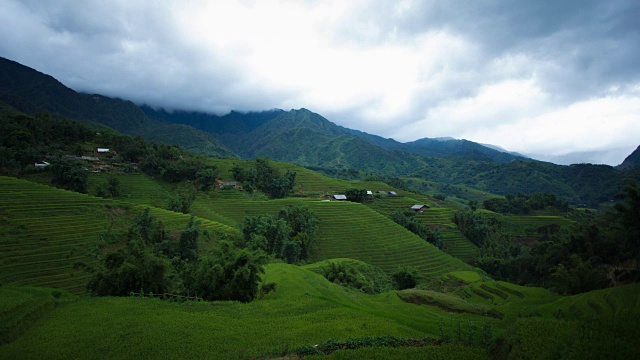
{"x": 308, "y": 139}
{"x": 31, "y": 92}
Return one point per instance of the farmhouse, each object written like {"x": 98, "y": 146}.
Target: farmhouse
{"x": 419, "y": 208}
{"x": 339, "y": 197}
{"x": 393, "y": 193}
{"x": 41, "y": 164}
{"x": 231, "y": 184}
{"x": 102, "y": 151}
{"x": 369, "y": 192}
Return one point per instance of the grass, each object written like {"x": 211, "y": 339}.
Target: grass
{"x": 44, "y": 231}
{"x": 21, "y": 307}
{"x": 304, "y": 310}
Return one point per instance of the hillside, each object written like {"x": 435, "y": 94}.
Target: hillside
{"x": 320, "y": 143}
{"x": 32, "y": 92}
{"x": 45, "y": 230}
{"x": 308, "y": 139}
{"x": 306, "y": 310}
{"x": 631, "y": 162}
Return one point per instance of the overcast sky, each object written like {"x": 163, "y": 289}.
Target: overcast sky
{"x": 545, "y": 77}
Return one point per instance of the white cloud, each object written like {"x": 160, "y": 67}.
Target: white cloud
{"x": 590, "y": 125}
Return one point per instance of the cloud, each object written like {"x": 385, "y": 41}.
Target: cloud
{"x": 487, "y": 71}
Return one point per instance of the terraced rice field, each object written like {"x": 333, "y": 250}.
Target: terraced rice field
{"x": 351, "y": 230}
{"x": 44, "y": 230}
{"x": 435, "y": 217}
{"x": 21, "y": 306}
{"x": 355, "y": 231}
{"x": 137, "y": 188}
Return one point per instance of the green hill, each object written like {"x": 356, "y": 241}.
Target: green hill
{"x": 306, "y": 310}
{"x": 32, "y": 92}
{"x": 44, "y": 231}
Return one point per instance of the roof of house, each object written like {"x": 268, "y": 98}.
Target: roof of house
{"x": 418, "y": 206}
{"x": 369, "y": 192}
{"x": 393, "y": 193}
{"x": 340, "y": 197}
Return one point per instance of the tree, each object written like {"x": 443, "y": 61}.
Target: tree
{"x": 232, "y": 274}
{"x": 206, "y": 178}
{"x": 264, "y": 177}
{"x": 131, "y": 267}
{"x": 113, "y": 186}
{"x": 290, "y": 236}
{"x": 188, "y": 241}
{"x": 356, "y": 195}
{"x": 629, "y": 219}
{"x": 70, "y": 174}
{"x": 181, "y": 201}
{"x": 405, "y": 277}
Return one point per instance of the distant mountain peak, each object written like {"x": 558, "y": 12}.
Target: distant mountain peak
{"x": 632, "y": 161}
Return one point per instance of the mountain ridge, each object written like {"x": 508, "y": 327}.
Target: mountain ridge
{"x": 308, "y": 139}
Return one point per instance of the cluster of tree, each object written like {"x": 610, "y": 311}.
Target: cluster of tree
{"x": 265, "y": 178}
{"x": 592, "y": 254}
{"x": 25, "y": 140}
{"x": 409, "y": 220}
{"x": 70, "y": 174}
{"x": 289, "y": 236}
{"x": 182, "y": 199}
{"x": 357, "y": 195}
{"x": 522, "y": 204}
{"x": 368, "y": 278}
{"x": 110, "y": 190}
{"x": 148, "y": 259}
{"x": 360, "y": 276}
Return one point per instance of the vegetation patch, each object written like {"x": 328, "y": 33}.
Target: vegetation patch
{"x": 466, "y": 276}
{"x": 447, "y": 302}
{"x": 20, "y": 307}
{"x": 355, "y": 274}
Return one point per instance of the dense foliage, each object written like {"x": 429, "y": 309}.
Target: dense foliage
{"x": 148, "y": 259}
{"x": 70, "y": 147}
{"x": 523, "y": 204}
{"x": 264, "y": 177}
{"x": 592, "y": 254}
{"x": 290, "y": 236}
{"x": 357, "y": 275}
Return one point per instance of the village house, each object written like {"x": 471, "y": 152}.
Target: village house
{"x": 339, "y": 197}
{"x": 419, "y": 208}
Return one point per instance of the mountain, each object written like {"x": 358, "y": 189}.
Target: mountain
{"x": 31, "y": 92}
{"x": 254, "y": 133}
{"x": 308, "y": 139}
{"x": 632, "y": 161}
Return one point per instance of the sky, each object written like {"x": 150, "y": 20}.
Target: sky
{"x": 558, "y": 80}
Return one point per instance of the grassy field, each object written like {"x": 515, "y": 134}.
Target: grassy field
{"x": 306, "y": 310}
{"x": 44, "y": 231}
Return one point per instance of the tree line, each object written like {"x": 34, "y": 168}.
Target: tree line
{"x": 594, "y": 253}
